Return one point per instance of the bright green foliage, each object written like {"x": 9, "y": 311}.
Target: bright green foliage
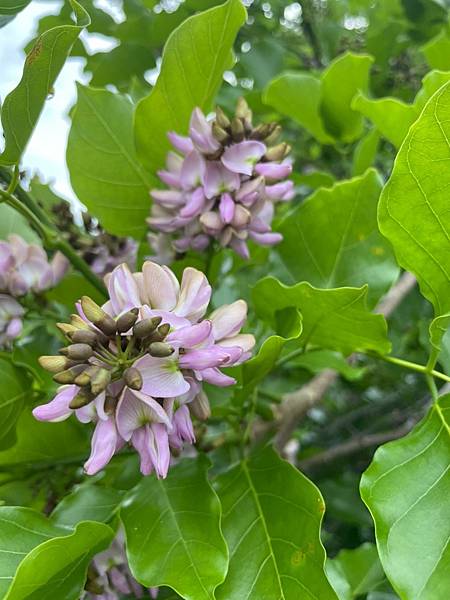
{"x": 195, "y": 57}
{"x": 365, "y": 152}
{"x": 22, "y": 107}
{"x": 173, "y": 523}
{"x": 87, "y": 503}
{"x": 271, "y": 520}
{"x": 420, "y": 237}
{"x": 355, "y": 572}
{"x": 332, "y": 238}
{"x": 437, "y": 51}
{"x": 42, "y": 560}
{"x": 406, "y": 488}
{"x": 104, "y": 170}
{"x": 323, "y": 105}
{"x": 14, "y": 391}
{"x": 337, "y": 319}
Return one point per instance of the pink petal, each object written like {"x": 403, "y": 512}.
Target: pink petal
{"x": 123, "y": 290}
{"x": 140, "y": 441}
{"x": 181, "y": 143}
{"x": 161, "y": 286}
{"x": 273, "y": 170}
{"x": 194, "y": 205}
{"x": 266, "y": 239}
{"x": 195, "y": 294}
{"x": 58, "y": 409}
{"x": 216, "y": 377}
{"x": 169, "y": 178}
{"x": 134, "y": 411}
{"x": 190, "y": 336}
{"x": 162, "y": 377}
{"x": 226, "y": 208}
{"x": 201, "y": 133}
{"x": 168, "y": 198}
{"x": 204, "y": 358}
{"x": 59, "y": 266}
{"x": 228, "y": 319}
{"x": 192, "y": 170}
{"x": 240, "y": 247}
{"x": 218, "y": 179}
{"x": 158, "y": 441}
{"x": 281, "y": 191}
{"x": 241, "y": 158}
{"x": 103, "y": 446}
{"x": 245, "y": 341}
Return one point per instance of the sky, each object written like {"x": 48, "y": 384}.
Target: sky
{"x": 45, "y": 153}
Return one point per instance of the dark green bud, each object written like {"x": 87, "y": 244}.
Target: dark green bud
{"x": 237, "y": 130}
{"x": 100, "y": 381}
{"x": 277, "y": 152}
{"x": 77, "y": 351}
{"x": 221, "y": 118}
{"x": 145, "y": 327}
{"x": 274, "y": 133}
{"x": 160, "y": 349}
{"x": 133, "y": 378}
{"x": 83, "y": 397}
{"x": 85, "y": 377}
{"x": 84, "y": 336}
{"x": 127, "y": 320}
{"x": 220, "y": 134}
{"x": 69, "y": 375}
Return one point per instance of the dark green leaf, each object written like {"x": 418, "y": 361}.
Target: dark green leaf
{"x": 89, "y": 502}
{"x": 271, "y": 520}
{"x": 14, "y": 391}
{"x": 104, "y": 170}
{"x": 407, "y": 490}
{"x": 24, "y": 104}
{"x": 173, "y": 532}
{"x": 194, "y": 59}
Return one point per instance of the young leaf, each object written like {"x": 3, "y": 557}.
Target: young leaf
{"x": 173, "y": 532}
{"x": 353, "y": 573}
{"x": 407, "y": 490}
{"x": 22, "y": 107}
{"x": 271, "y": 520}
{"x": 365, "y": 152}
{"x": 342, "y": 79}
{"x": 413, "y": 211}
{"x": 194, "y": 59}
{"x": 15, "y": 388}
{"x": 337, "y": 319}
{"x": 298, "y": 96}
{"x": 43, "y": 560}
{"x": 332, "y": 239}
{"x": 104, "y": 170}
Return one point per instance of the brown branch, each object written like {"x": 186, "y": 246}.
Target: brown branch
{"x": 357, "y": 444}
{"x": 295, "y": 405}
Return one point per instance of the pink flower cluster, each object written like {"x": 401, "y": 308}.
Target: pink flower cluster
{"x": 24, "y": 268}
{"x": 223, "y": 181}
{"x": 136, "y": 365}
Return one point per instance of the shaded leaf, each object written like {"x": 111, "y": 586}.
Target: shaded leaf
{"x": 318, "y": 360}
{"x": 173, "y": 532}
{"x": 22, "y": 107}
{"x": 12, "y": 222}
{"x": 194, "y": 59}
{"x": 337, "y": 318}
{"x": 15, "y": 389}
{"x": 104, "y": 170}
{"x": 88, "y": 502}
{"x": 407, "y": 482}
{"x": 332, "y": 239}
{"x": 272, "y": 516}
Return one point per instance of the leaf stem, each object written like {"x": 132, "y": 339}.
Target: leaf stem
{"x": 412, "y": 366}
{"x": 50, "y": 236}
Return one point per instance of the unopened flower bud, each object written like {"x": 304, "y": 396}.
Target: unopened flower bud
{"x": 145, "y": 327}
{"x": 98, "y": 316}
{"x": 127, "y": 320}
{"x": 54, "y": 364}
{"x": 237, "y": 130}
{"x": 241, "y": 216}
{"x": 77, "y": 322}
{"x": 77, "y": 351}
{"x": 242, "y": 109}
{"x": 100, "y": 381}
{"x": 83, "y": 397}
{"x": 277, "y": 152}
{"x": 221, "y": 118}
{"x": 200, "y": 406}
{"x": 160, "y": 349}
{"x": 261, "y": 131}
{"x": 161, "y": 333}
{"x": 85, "y": 377}
{"x": 110, "y": 404}
{"x": 133, "y": 378}
{"x": 69, "y": 375}
{"x": 66, "y": 328}
{"x": 274, "y": 134}
{"x": 220, "y": 134}
{"x": 84, "y": 336}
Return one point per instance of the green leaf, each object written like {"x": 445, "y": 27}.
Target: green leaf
{"x": 15, "y": 389}
{"x": 191, "y": 74}
{"x": 272, "y": 516}
{"x": 47, "y": 443}
{"x": 437, "y": 51}
{"x": 354, "y": 253}
{"x": 173, "y": 532}
{"x": 438, "y": 328}
{"x": 12, "y": 222}
{"x": 318, "y": 360}
{"x": 343, "y": 78}
{"x": 104, "y": 170}
{"x": 390, "y": 116}
{"x": 12, "y": 7}
{"x": 88, "y": 502}
{"x": 42, "y": 560}
{"x": 407, "y": 490}
{"x": 365, "y": 152}
{"x": 298, "y": 96}
{"x": 413, "y": 211}
{"x": 355, "y": 572}
{"x": 68, "y": 290}
{"x": 22, "y": 107}
{"x": 337, "y": 319}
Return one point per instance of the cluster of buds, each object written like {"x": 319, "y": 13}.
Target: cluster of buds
{"x": 135, "y": 366}
{"x": 223, "y": 181}
{"x": 101, "y": 250}
{"x": 110, "y": 578}
{"x": 24, "y": 269}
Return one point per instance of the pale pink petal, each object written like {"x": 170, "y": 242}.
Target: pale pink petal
{"x": 58, "y": 409}
{"x": 242, "y": 157}
{"x": 139, "y": 439}
{"x": 168, "y": 198}
{"x": 200, "y": 132}
{"x": 195, "y": 294}
{"x": 162, "y": 377}
{"x": 194, "y": 205}
{"x": 218, "y": 179}
{"x": 240, "y": 247}
{"x": 228, "y": 319}
{"x": 59, "y": 266}
{"x": 281, "y": 191}
{"x": 216, "y": 377}
{"x": 169, "y": 178}
{"x": 192, "y": 170}
{"x": 273, "y": 170}
{"x": 103, "y": 446}
{"x": 190, "y": 336}
{"x": 161, "y": 286}
{"x": 246, "y": 341}
{"x": 266, "y": 239}
{"x": 134, "y": 411}
{"x": 123, "y": 290}
{"x": 181, "y": 143}
{"x": 226, "y": 208}
{"x": 158, "y": 440}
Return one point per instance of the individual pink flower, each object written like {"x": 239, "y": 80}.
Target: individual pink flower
{"x": 223, "y": 181}
{"x": 136, "y": 365}
{"x": 25, "y": 267}
{"x": 11, "y": 313}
